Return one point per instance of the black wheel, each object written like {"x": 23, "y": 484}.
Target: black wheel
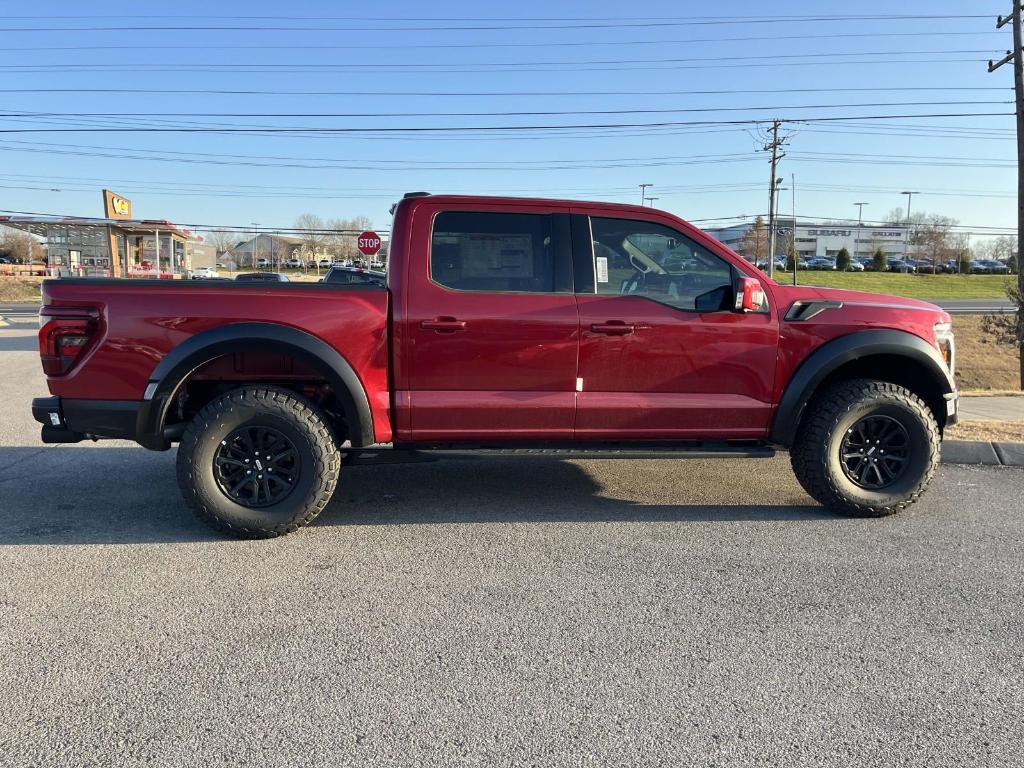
{"x": 866, "y": 448}
{"x": 258, "y": 462}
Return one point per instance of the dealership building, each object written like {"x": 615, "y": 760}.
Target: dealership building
{"x": 826, "y": 240}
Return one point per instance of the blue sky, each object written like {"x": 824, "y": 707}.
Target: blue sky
{"x": 563, "y": 57}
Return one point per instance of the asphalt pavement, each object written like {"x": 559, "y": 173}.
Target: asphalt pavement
{"x": 479, "y": 612}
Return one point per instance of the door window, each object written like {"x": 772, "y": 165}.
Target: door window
{"x": 641, "y": 258}
{"x": 494, "y": 252}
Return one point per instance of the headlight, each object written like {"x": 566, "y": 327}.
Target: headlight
{"x": 945, "y": 344}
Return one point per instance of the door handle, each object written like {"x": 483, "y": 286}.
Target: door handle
{"x": 613, "y": 328}
{"x": 443, "y": 325}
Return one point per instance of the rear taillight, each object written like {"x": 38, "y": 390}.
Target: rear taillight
{"x": 65, "y": 335}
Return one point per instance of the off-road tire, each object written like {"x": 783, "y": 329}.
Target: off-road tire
{"x": 815, "y": 453}
{"x": 279, "y": 409}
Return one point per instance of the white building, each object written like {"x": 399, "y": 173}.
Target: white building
{"x": 826, "y": 240}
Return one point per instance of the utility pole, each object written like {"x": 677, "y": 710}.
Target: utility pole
{"x": 774, "y": 146}
{"x": 651, "y": 200}
{"x": 643, "y": 192}
{"x": 796, "y": 251}
{"x": 1017, "y": 57}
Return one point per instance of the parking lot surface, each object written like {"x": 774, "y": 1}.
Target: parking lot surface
{"x": 476, "y": 612}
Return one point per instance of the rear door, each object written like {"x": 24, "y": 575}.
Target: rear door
{"x": 491, "y": 334}
{"x": 662, "y": 353}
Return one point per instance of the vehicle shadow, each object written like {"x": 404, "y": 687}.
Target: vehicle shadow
{"x": 18, "y": 342}
{"x": 121, "y": 494}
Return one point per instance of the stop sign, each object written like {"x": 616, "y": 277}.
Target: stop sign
{"x": 368, "y": 243}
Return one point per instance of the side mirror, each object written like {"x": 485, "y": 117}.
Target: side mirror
{"x": 749, "y": 295}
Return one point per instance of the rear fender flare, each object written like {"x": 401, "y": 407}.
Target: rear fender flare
{"x": 204, "y": 347}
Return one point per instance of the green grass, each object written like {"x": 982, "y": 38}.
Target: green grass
{"x": 910, "y": 286}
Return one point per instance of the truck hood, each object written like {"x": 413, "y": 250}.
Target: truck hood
{"x": 790, "y": 293}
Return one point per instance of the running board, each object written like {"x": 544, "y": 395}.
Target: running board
{"x": 421, "y": 453}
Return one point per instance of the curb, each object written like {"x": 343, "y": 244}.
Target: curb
{"x": 983, "y": 452}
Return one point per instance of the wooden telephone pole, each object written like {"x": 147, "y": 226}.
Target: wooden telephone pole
{"x": 773, "y": 146}
{"x": 1015, "y": 56}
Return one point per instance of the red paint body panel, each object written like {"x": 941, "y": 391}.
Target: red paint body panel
{"x": 511, "y": 372}
{"x": 141, "y": 321}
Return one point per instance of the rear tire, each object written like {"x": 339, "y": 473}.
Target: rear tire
{"x": 866, "y": 448}
{"x": 232, "y": 449}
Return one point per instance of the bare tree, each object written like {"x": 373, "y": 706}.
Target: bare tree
{"x": 344, "y": 234}
{"x": 932, "y": 235}
{"x": 20, "y": 246}
{"x": 754, "y": 244}
{"x": 311, "y": 231}
{"x": 222, "y": 240}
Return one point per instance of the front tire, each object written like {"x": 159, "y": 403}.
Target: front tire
{"x": 866, "y": 448}
{"x": 258, "y": 462}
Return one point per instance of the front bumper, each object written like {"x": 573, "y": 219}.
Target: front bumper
{"x": 71, "y": 421}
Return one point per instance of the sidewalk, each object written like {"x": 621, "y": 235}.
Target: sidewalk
{"x": 991, "y": 408}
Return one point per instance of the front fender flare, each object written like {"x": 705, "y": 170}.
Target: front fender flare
{"x": 204, "y": 347}
{"x": 830, "y": 356}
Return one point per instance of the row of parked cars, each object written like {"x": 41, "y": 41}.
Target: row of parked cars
{"x": 324, "y": 263}
{"x": 335, "y": 276}
{"x": 923, "y": 266}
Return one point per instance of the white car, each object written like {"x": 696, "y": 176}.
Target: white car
{"x": 294, "y": 263}
{"x": 262, "y": 262}
{"x": 204, "y": 273}
{"x": 324, "y": 263}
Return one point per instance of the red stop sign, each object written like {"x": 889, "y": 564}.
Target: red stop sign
{"x": 368, "y": 243}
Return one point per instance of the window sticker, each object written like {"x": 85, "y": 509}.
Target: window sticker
{"x": 602, "y": 269}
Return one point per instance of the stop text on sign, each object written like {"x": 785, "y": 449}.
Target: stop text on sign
{"x": 368, "y": 243}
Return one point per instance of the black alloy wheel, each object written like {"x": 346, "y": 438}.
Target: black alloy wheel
{"x": 875, "y": 451}
{"x": 256, "y": 466}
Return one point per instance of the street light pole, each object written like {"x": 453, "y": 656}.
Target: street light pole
{"x": 255, "y": 242}
{"x": 860, "y": 224}
{"x": 910, "y": 195}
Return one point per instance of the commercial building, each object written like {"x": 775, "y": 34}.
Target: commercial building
{"x": 826, "y": 240}
{"x": 114, "y": 246}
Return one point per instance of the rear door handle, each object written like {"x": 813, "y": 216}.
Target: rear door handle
{"x": 443, "y": 325}
{"x": 613, "y": 328}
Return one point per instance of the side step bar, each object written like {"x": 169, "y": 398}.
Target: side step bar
{"x": 694, "y": 450}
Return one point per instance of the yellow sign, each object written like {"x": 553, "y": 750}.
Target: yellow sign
{"x": 115, "y": 206}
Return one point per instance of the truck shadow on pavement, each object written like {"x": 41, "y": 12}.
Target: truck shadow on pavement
{"x": 102, "y": 494}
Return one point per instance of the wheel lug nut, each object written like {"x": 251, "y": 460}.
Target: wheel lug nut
{"x": 248, "y": 471}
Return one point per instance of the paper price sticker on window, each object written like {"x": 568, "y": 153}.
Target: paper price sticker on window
{"x": 602, "y": 269}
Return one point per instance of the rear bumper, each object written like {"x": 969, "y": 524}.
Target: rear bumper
{"x": 71, "y": 421}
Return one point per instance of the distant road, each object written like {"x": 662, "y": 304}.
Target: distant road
{"x": 18, "y": 310}
{"x": 975, "y": 306}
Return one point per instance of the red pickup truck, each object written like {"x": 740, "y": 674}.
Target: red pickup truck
{"x": 514, "y": 326}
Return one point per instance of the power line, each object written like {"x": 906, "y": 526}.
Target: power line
{"x": 223, "y": 92}
{"x": 520, "y": 113}
{"x": 491, "y": 45}
{"x": 491, "y": 128}
{"x": 618, "y": 24}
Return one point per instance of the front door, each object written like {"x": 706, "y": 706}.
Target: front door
{"x": 662, "y": 354}
{"x": 490, "y": 334}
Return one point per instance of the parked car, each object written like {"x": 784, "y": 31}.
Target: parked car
{"x": 262, "y": 277}
{"x": 855, "y": 266}
{"x": 950, "y": 267}
{"x": 993, "y": 267}
{"x": 324, "y": 263}
{"x": 354, "y": 276}
{"x": 204, "y": 273}
{"x": 901, "y": 265}
{"x": 572, "y": 347}
{"x": 294, "y": 263}
{"x": 821, "y": 262}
